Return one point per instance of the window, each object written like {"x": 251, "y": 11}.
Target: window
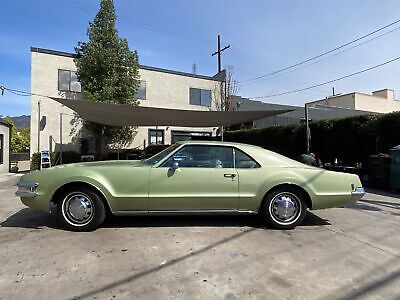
{"x": 177, "y": 136}
{"x": 68, "y": 81}
{"x": 156, "y": 136}
{"x": 202, "y": 156}
{"x": 243, "y": 161}
{"x": 141, "y": 92}
{"x": 200, "y": 97}
{"x": 1, "y": 148}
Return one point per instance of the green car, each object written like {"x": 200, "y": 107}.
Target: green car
{"x": 189, "y": 178}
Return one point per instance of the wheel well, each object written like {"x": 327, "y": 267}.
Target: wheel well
{"x": 299, "y": 189}
{"x": 61, "y": 190}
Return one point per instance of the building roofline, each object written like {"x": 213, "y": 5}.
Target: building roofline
{"x": 336, "y": 96}
{"x": 143, "y": 67}
{"x": 381, "y": 90}
{"x": 2, "y": 122}
{"x": 352, "y": 93}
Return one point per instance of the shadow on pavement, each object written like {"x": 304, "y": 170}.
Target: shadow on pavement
{"x": 383, "y": 193}
{"x": 30, "y": 218}
{"x": 375, "y": 205}
{"x": 208, "y": 221}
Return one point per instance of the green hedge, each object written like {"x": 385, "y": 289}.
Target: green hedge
{"x": 350, "y": 139}
{"x": 68, "y": 157}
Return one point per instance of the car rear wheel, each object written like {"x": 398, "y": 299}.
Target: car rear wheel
{"x": 81, "y": 209}
{"x": 283, "y": 208}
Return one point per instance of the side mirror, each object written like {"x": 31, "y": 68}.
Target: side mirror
{"x": 175, "y": 165}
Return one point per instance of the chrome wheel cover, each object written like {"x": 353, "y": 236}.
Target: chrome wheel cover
{"x": 78, "y": 209}
{"x": 285, "y": 208}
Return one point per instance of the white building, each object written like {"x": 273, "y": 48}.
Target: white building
{"x": 382, "y": 101}
{"x": 53, "y": 74}
{"x": 5, "y": 136}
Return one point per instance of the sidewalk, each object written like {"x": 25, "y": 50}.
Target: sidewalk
{"x": 8, "y": 176}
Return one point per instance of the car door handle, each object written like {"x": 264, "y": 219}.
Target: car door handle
{"x": 230, "y": 175}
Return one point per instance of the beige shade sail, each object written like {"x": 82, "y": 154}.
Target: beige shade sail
{"x": 130, "y": 115}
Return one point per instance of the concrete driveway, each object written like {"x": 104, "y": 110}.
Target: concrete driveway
{"x": 343, "y": 253}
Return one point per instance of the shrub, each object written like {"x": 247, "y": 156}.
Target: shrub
{"x": 350, "y": 139}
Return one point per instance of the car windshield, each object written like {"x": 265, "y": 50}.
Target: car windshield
{"x": 159, "y": 156}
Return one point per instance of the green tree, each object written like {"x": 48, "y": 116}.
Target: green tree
{"x": 109, "y": 72}
{"x": 20, "y": 140}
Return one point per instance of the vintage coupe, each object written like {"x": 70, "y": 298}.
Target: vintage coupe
{"x": 189, "y": 178}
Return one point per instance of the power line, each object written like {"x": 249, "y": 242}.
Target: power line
{"x": 257, "y": 62}
{"x": 142, "y": 25}
{"x": 21, "y": 92}
{"x": 328, "y": 82}
{"x": 323, "y": 54}
{"x": 325, "y": 58}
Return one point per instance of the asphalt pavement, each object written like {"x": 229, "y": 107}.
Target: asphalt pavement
{"x": 341, "y": 253}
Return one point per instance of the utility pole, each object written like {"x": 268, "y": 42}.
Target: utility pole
{"x": 219, "y": 51}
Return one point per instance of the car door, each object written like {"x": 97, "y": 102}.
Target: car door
{"x": 196, "y": 177}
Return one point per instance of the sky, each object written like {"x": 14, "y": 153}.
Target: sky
{"x": 265, "y": 36}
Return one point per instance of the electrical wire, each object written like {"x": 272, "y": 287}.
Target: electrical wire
{"x": 21, "y": 92}
{"x": 327, "y": 82}
{"x": 322, "y": 54}
{"x": 323, "y": 59}
{"x": 142, "y": 25}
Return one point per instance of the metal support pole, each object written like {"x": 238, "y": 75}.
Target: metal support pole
{"x": 39, "y": 116}
{"x": 61, "y": 141}
{"x": 307, "y": 129}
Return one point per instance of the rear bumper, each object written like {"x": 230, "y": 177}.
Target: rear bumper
{"x": 357, "y": 194}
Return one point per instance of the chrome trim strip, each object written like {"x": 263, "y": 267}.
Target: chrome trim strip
{"x": 358, "y": 192}
{"x": 26, "y": 194}
{"x": 27, "y": 183}
{"x": 182, "y": 212}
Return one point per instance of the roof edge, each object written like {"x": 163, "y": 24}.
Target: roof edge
{"x": 2, "y": 122}
{"x": 143, "y": 67}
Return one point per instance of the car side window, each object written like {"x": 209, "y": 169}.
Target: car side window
{"x": 243, "y": 161}
{"x": 202, "y": 156}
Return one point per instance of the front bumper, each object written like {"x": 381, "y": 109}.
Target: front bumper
{"x": 26, "y": 189}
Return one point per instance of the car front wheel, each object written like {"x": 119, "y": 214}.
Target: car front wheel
{"x": 283, "y": 208}
{"x": 81, "y": 209}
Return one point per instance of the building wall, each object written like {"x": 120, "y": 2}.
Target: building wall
{"x": 344, "y": 101}
{"x": 5, "y": 166}
{"x": 382, "y": 101}
{"x": 163, "y": 89}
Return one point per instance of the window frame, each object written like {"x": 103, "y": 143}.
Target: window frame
{"x": 162, "y": 164}
{"x": 234, "y": 157}
{"x": 156, "y": 130}
{"x": 69, "y": 81}
{"x": 201, "y": 92}
{"x": 145, "y": 90}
